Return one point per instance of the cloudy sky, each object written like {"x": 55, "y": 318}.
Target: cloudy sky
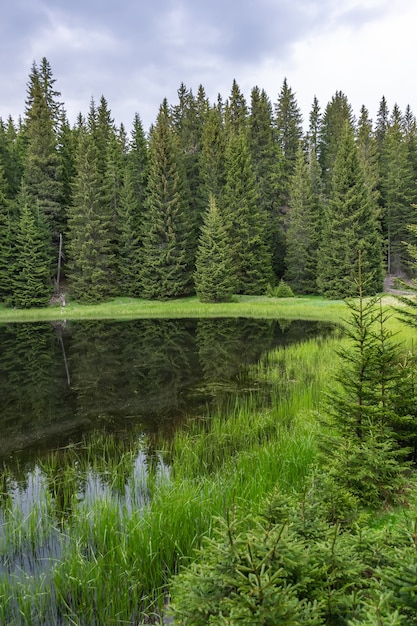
{"x": 137, "y": 52}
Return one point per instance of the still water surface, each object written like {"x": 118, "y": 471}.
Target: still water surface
{"x": 59, "y": 382}
{"x": 83, "y": 409}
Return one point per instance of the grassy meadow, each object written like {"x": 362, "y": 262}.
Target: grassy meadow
{"x": 108, "y": 558}
{"x": 261, "y": 307}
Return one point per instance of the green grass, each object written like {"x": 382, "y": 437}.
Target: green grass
{"x": 314, "y": 308}
{"x": 120, "y": 546}
{"x": 307, "y": 308}
{"x": 118, "y": 555}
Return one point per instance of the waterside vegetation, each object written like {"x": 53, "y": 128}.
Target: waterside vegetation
{"x": 106, "y": 537}
{"x": 260, "y": 307}
{"x": 109, "y": 528}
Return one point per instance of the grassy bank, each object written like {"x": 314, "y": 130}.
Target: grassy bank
{"x": 314, "y": 308}
{"x": 114, "y": 551}
{"x": 113, "y": 557}
{"x": 307, "y": 308}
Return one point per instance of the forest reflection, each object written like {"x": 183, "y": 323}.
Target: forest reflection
{"x": 59, "y": 382}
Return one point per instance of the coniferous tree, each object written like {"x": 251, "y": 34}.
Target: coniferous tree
{"x": 236, "y": 111}
{"x": 314, "y": 127}
{"x": 114, "y": 191}
{"x": 410, "y": 130}
{"x": 129, "y": 249}
{"x": 167, "y": 264}
{"x": 398, "y": 194}
{"x": 102, "y": 128}
{"x": 130, "y": 210}
{"x": 366, "y": 458}
{"x": 31, "y": 283}
{"x": 91, "y": 255}
{"x": 42, "y": 168}
{"x": 215, "y": 279}
{"x": 212, "y": 158}
{"x": 7, "y": 228}
{"x": 245, "y": 220}
{"x": 350, "y": 225}
{"x": 267, "y": 159}
{"x": 303, "y": 230}
{"x": 137, "y": 160}
{"x": 67, "y": 145}
{"x": 11, "y": 157}
{"x": 382, "y": 122}
{"x": 368, "y": 153}
{"x": 188, "y": 119}
{"x": 337, "y": 112}
{"x": 288, "y": 123}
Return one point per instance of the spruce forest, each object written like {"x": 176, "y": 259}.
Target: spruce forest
{"x": 217, "y": 199}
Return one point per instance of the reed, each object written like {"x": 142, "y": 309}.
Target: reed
{"x": 119, "y": 522}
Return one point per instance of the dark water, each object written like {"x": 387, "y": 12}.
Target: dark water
{"x": 61, "y": 381}
{"x": 82, "y": 409}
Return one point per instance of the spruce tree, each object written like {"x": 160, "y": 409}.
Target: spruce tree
{"x": 302, "y": 231}
{"x": 137, "y": 160}
{"x": 91, "y": 256}
{"x": 102, "y": 128}
{"x": 337, "y": 113}
{"x": 397, "y": 194}
{"x": 212, "y": 157}
{"x": 288, "y": 123}
{"x": 350, "y": 225}
{"x": 188, "y": 118}
{"x": 67, "y": 145}
{"x": 31, "y": 283}
{"x": 215, "y": 279}
{"x": 42, "y": 168}
{"x": 167, "y": 263}
{"x": 11, "y": 157}
{"x": 382, "y": 122}
{"x": 366, "y": 458}
{"x": 245, "y": 220}
{"x": 130, "y": 211}
{"x": 267, "y": 159}
{"x": 7, "y": 229}
{"x": 129, "y": 249}
{"x": 368, "y": 153}
{"x": 314, "y": 127}
{"x": 236, "y": 111}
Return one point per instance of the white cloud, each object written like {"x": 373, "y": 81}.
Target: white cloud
{"x": 57, "y": 34}
{"x": 364, "y": 61}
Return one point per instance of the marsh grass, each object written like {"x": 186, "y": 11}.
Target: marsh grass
{"x": 119, "y": 521}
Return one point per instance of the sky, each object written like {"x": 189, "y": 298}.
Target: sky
{"x": 135, "y": 53}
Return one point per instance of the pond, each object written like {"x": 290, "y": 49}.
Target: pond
{"x": 85, "y": 410}
{"x": 60, "y": 381}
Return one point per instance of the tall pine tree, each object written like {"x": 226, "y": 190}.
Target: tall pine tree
{"x": 90, "y": 248}
{"x": 245, "y": 219}
{"x": 215, "y": 279}
{"x": 42, "y": 172}
{"x": 337, "y": 113}
{"x": 397, "y": 194}
{"x": 167, "y": 263}
{"x": 31, "y": 283}
{"x": 288, "y": 123}
{"x": 267, "y": 158}
{"x": 303, "y": 230}
{"x": 212, "y": 157}
{"x": 7, "y": 228}
{"x": 350, "y": 225}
